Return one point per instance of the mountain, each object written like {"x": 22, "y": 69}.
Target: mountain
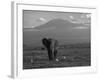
{"x": 63, "y": 30}
{"x": 58, "y": 23}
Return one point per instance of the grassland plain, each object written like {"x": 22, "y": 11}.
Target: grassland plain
{"x": 71, "y": 55}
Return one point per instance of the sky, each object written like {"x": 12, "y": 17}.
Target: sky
{"x": 51, "y": 26}
{"x": 33, "y": 18}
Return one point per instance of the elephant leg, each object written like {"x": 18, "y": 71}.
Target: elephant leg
{"x": 50, "y": 54}
{"x": 55, "y": 54}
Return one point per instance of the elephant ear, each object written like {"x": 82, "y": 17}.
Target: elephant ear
{"x": 45, "y": 41}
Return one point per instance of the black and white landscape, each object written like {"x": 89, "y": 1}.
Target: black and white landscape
{"x": 71, "y": 31}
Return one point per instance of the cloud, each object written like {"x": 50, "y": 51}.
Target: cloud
{"x": 82, "y": 16}
{"x": 33, "y": 26}
{"x": 81, "y": 27}
{"x": 73, "y": 20}
{"x": 88, "y": 15}
{"x": 76, "y": 22}
{"x": 42, "y": 19}
{"x": 71, "y": 17}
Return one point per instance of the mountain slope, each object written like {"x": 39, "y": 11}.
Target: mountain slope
{"x": 58, "y": 23}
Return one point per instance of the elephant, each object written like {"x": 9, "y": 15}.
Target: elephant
{"x": 51, "y": 46}
{"x": 54, "y": 47}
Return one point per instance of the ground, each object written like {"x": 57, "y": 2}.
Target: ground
{"x": 68, "y": 56}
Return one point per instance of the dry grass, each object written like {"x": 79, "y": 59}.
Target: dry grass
{"x": 77, "y": 56}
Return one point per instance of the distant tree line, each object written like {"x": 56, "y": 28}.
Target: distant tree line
{"x": 68, "y": 46}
